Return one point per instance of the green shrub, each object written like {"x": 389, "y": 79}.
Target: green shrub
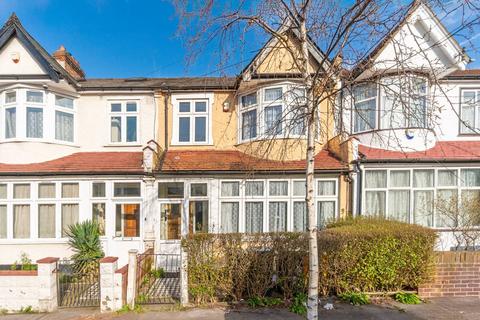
{"x": 230, "y": 267}
{"x": 372, "y": 255}
{"x": 407, "y": 298}
{"x": 255, "y": 302}
{"x": 157, "y": 273}
{"x": 355, "y": 298}
{"x": 299, "y": 304}
{"x": 84, "y": 239}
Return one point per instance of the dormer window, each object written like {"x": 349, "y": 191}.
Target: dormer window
{"x": 280, "y": 113}
{"x": 391, "y": 103}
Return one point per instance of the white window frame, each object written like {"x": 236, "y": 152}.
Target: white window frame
{"x": 123, "y": 114}
{"x": 354, "y": 107}
{"x": 475, "y": 127}
{"x": 72, "y": 111}
{"x": 192, "y": 97}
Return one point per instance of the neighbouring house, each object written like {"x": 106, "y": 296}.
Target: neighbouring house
{"x": 152, "y": 159}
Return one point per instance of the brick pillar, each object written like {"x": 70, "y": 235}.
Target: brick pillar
{"x": 47, "y": 284}
{"x": 108, "y": 266}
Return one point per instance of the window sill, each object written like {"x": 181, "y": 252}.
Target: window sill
{"x": 123, "y": 144}
{"x": 127, "y": 238}
{"x": 469, "y": 134}
{"x": 40, "y": 140}
{"x": 36, "y": 241}
{"x": 189, "y": 144}
{"x": 389, "y": 129}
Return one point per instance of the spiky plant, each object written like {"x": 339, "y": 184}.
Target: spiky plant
{"x": 84, "y": 240}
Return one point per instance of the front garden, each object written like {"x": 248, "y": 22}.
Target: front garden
{"x": 357, "y": 258}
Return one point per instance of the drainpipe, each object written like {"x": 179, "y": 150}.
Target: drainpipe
{"x": 165, "y": 102}
{"x": 358, "y": 187}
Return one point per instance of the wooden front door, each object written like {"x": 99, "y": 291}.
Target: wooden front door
{"x": 171, "y": 214}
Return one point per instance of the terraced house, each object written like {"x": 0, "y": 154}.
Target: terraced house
{"x": 152, "y": 159}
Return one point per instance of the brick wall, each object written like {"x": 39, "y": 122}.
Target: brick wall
{"x": 456, "y": 274}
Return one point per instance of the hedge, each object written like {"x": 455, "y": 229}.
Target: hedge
{"x": 374, "y": 255}
{"x": 356, "y": 255}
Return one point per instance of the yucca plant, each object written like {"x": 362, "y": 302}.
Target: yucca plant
{"x": 84, "y": 239}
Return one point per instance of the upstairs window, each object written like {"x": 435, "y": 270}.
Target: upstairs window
{"x": 470, "y": 111}
{"x": 192, "y": 121}
{"x": 365, "y": 104}
{"x": 124, "y": 122}
{"x": 64, "y": 119}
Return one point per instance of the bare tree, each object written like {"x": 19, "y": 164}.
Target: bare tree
{"x": 345, "y": 32}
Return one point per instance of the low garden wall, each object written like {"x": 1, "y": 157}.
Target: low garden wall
{"x": 30, "y": 290}
{"x": 456, "y": 274}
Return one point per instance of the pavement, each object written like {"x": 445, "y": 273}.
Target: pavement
{"x": 438, "y": 309}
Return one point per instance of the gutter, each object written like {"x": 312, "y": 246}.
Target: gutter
{"x": 63, "y": 173}
{"x": 393, "y": 161}
{"x": 265, "y": 172}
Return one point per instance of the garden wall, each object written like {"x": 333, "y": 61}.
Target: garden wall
{"x": 25, "y": 289}
{"x": 456, "y": 274}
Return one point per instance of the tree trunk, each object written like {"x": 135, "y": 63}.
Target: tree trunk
{"x": 312, "y": 306}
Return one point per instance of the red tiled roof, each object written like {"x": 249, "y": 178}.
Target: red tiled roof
{"x": 232, "y": 160}
{"x": 442, "y": 151}
{"x": 82, "y": 163}
{"x": 459, "y": 74}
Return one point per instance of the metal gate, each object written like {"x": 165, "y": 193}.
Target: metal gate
{"x": 158, "y": 278}
{"x": 78, "y": 283}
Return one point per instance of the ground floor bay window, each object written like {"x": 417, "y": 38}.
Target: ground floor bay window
{"x": 425, "y": 196}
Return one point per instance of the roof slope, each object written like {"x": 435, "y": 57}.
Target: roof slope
{"x": 237, "y": 161}
{"x": 448, "y": 151}
{"x": 13, "y": 28}
{"x": 81, "y": 163}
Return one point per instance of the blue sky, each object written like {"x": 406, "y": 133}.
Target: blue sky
{"x": 118, "y": 38}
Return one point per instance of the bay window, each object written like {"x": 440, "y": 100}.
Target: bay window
{"x": 253, "y": 217}
{"x": 470, "y": 111}
{"x": 34, "y": 122}
{"x": 229, "y": 206}
{"x": 277, "y": 111}
{"x": 46, "y": 221}
{"x": 124, "y": 122}
{"x": 192, "y": 123}
{"x": 10, "y": 123}
{"x": 64, "y": 119}
{"x": 277, "y": 216}
{"x": 365, "y": 104}
{"x": 21, "y": 221}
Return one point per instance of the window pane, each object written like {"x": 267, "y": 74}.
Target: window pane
{"x": 64, "y": 126}
{"x": 98, "y": 189}
{"x": 3, "y": 221}
{"x": 46, "y": 190}
{"x": 131, "y": 107}
{"x": 399, "y": 205}
{"x": 198, "y": 189}
{"x": 278, "y": 188}
{"x": 365, "y": 115}
{"x": 34, "y": 122}
{"x": 229, "y": 219}
{"x": 467, "y": 125}
{"x": 423, "y": 207}
{"x": 184, "y": 129}
{"x": 376, "y": 179}
{"x": 10, "y": 97}
{"x": 447, "y": 178}
{"x": 470, "y": 178}
{"x": 21, "y": 221}
{"x": 277, "y": 216}
{"x": 35, "y": 96}
{"x": 446, "y": 208}
{"x": 326, "y": 188}
{"x": 21, "y": 191}
{"x": 69, "y": 217}
{"x": 198, "y": 218}
{"x": 10, "y": 123}
{"x": 297, "y": 124}
{"x": 200, "y": 129}
{"x": 253, "y": 217}
{"x": 170, "y": 190}
{"x": 249, "y": 124}
{"x": 299, "y": 216}
{"x": 249, "y": 100}
{"x": 131, "y": 129}
{"x": 184, "y": 107}
{"x": 98, "y": 216}
{"x": 375, "y": 204}
{"x": 46, "y": 221}
{"x": 63, "y": 102}
{"x": 116, "y": 129}
{"x": 422, "y": 178}
{"x": 273, "y": 94}
{"x": 325, "y": 213}
{"x": 254, "y": 188}
{"x": 394, "y": 104}
{"x": 399, "y": 179}
{"x": 70, "y": 190}
{"x": 3, "y": 191}
{"x": 299, "y": 188}
{"x": 230, "y": 189}
{"x": 116, "y": 107}
{"x": 201, "y": 106}
{"x": 126, "y": 189}
{"x": 127, "y": 220}
{"x": 273, "y": 120}
{"x": 469, "y": 215}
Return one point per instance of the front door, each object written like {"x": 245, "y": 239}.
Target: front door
{"x": 171, "y": 221}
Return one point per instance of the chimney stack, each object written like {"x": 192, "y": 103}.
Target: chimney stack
{"x": 69, "y": 63}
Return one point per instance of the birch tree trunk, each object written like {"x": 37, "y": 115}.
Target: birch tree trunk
{"x": 312, "y": 306}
